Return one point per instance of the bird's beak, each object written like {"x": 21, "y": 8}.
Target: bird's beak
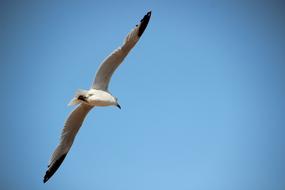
{"x": 118, "y": 105}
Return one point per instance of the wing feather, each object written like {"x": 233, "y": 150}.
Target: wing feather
{"x": 109, "y": 65}
{"x": 71, "y": 127}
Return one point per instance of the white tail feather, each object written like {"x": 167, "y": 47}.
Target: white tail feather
{"x": 75, "y": 100}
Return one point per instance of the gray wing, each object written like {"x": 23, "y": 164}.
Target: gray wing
{"x": 71, "y": 127}
{"x": 109, "y": 65}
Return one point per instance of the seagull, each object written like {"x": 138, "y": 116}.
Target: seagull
{"x": 98, "y": 95}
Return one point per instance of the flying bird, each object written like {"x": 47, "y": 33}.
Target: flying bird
{"x": 98, "y": 95}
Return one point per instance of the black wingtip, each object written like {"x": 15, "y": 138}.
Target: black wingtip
{"x": 144, "y": 23}
{"x": 148, "y": 13}
{"x": 52, "y": 169}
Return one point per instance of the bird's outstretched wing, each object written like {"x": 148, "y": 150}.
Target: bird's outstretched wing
{"x": 109, "y": 65}
{"x": 71, "y": 127}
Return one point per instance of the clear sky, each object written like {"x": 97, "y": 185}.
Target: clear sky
{"x": 202, "y": 95}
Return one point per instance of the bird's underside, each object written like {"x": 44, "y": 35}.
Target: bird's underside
{"x": 100, "y": 84}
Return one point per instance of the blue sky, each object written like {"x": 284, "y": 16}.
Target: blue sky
{"x": 202, "y": 95}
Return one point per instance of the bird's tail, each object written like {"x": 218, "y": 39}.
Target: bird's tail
{"x": 80, "y": 96}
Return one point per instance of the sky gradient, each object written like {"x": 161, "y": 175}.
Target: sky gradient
{"x": 202, "y": 95}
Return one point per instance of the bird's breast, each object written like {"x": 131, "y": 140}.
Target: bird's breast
{"x": 100, "y": 98}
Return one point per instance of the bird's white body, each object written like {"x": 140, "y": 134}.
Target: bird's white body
{"x": 98, "y": 95}
{"x": 94, "y": 97}
{"x": 99, "y": 98}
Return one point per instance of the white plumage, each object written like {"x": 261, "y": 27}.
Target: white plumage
{"x": 98, "y": 95}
